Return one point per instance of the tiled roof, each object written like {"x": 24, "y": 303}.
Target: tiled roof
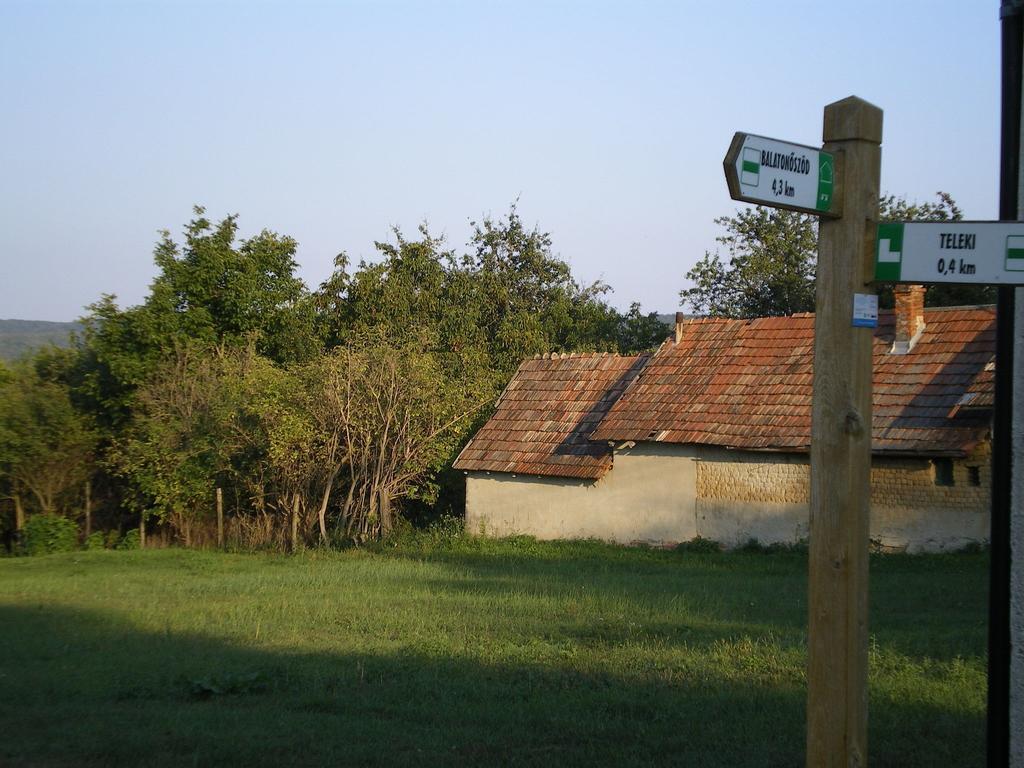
{"x": 747, "y": 384}
{"x": 543, "y": 419}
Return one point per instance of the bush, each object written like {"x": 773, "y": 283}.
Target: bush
{"x": 699, "y": 545}
{"x": 756, "y": 547}
{"x": 50, "y": 533}
{"x": 95, "y": 540}
{"x": 446, "y": 531}
{"x": 131, "y": 540}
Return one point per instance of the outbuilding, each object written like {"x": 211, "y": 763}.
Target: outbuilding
{"x": 709, "y": 436}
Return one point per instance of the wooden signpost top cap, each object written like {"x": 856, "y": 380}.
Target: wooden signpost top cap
{"x": 852, "y": 118}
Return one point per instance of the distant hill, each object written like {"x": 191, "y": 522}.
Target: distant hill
{"x": 20, "y": 336}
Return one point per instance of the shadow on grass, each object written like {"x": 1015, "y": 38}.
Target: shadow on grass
{"x": 80, "y": 688}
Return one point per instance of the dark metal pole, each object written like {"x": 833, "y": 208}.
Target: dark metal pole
{"x": 1002, "y": 465}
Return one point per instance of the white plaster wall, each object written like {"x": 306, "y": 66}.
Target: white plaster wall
{"x": 662, "y": 493}
{"x": 648, "y": 496}
{"x": 734, "y": 523}
{"x": 927, "y": 530}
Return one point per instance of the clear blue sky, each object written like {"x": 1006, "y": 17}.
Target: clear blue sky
{"x": 333, "y": 122}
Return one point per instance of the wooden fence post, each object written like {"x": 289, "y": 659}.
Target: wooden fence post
{"x": 841, "y": 448}
{"x": 220, "y": 518}
{"x": 88, "y": 508}
{"x": 295, "y": 523}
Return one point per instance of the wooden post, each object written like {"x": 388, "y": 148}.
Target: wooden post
{"x": 88, "y": 508}
{"x": 841, "y": 448}
{"x": 220, "y": 518}
{"x": 295, "y": 523}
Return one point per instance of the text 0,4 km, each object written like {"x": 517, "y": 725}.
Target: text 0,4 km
{"x": 955, "y": 267}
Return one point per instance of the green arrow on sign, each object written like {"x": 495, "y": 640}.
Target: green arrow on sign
{"x": 889, "y": 252}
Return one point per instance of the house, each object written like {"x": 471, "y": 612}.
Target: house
{"x": 709, "y": 436}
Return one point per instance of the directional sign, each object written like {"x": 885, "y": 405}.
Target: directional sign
{"x": 985, "y": 252}
{"x": 781, "y": 175}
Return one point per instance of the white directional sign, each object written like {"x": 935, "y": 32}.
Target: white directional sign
{"x": 986, "y": 252}
{"x": 782, "y": 175}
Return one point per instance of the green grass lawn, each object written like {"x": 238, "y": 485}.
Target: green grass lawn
{"x": 468, "y": 653}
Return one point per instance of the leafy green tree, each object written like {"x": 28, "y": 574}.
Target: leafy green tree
{"x": 211, "y": 289}
{"x": 770, "y": 271}
{"x": 214, "y": 290}
{"x": 639, "y": 332}
{"x": 172, "y": 450}
{"x": 46, "y": 446}
{"x": 529, "y": 301}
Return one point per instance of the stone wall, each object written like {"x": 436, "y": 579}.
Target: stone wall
{"x": 764, "y": 496}
{"x": 743, "y": 496}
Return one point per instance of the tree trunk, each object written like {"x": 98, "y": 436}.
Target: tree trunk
{"x": 142, "y": 532}
{"x": 19, "y": 513}
{"x": 322, "y": 512}
{"x": 384, "y": 510}
{"x": 88, "y": 508}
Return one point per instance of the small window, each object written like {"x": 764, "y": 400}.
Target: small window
{"x": 943, "y": 471}
{"x": 974, "y": 475}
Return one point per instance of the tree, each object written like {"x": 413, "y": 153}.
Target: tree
{"x": 639, "y": 332}
{"x": 527, "y": 300}
{"x": 216, "y": 416}
{"x": 401, "y": 418}
{"x": 46, "y": 446}
{"x": 170, "y": 453}
{"x": 772, "y": 258}
{"x": 209, "y": 289}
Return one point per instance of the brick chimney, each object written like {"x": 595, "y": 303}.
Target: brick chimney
{"x": 909, "y": 317}
{"x": 680, "y": 322}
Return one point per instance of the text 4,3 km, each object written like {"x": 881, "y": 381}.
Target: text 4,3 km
{"x": 782, "y": 188}
{"x": 954, "y": 267}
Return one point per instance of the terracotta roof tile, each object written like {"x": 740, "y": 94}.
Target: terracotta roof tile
{"x": 736, "y": 383}
{"x": 543, "y": 421}
{"x": 748, "y": 384}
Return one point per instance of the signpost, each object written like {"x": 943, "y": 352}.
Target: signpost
{"x": 783, "y": 175}
{"x": 982, "y": 252}
{"x": 839, "y": 182}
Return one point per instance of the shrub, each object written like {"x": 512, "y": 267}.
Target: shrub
{"x": 756, "y": 547}
{"x": 444, "y": 532}
{"x": 50, "y": 533}
{"x": 95, "y": 540}
{"x": 130, "y": 541}
{"x": 699, "y": 545}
